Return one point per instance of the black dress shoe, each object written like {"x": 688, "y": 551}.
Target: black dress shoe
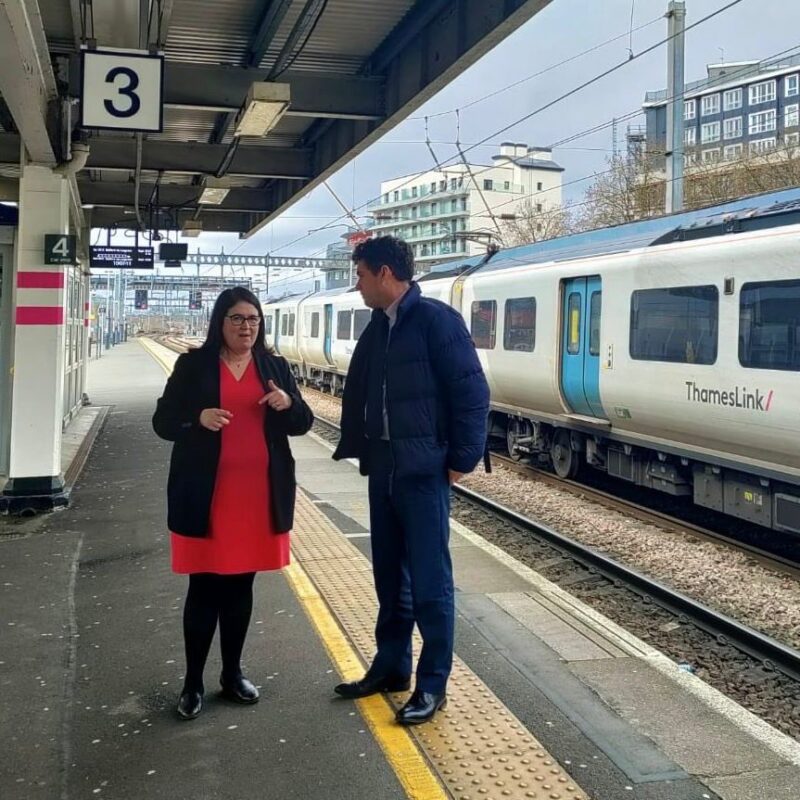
{"x": 421, "y": 707}
{"x": 372, "y": 684}
{"x": 239, "y": 689}
{"x": 190, "y": 704}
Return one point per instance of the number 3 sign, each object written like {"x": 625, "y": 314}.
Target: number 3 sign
{"x": 122, "y": 91}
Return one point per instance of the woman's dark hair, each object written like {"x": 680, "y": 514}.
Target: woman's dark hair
{"x": 227, "y": 300}
{"x": 388, "y": 250}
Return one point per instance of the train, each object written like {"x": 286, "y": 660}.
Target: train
{"x": 668, "y": 357}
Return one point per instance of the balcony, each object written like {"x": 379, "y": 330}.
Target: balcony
{"x": 426, "y": 195}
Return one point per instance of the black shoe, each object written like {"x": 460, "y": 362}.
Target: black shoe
{"x": 372, "y": 684}
{"x": 190, "y": 704}
{"x": 240, "y": 690}
{"x": 421, "y": 707}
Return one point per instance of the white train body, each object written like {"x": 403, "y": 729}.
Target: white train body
{"x": 587, "y": 365}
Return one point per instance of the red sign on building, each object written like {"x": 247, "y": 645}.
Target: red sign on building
{"x": 356, "y": 237}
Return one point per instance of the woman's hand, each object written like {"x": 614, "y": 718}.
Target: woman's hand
{"x": 215, "y": 419}
{"x": 276, "y": 398}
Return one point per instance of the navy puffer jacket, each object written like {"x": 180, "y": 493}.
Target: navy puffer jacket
{"x": 437, "y": 398}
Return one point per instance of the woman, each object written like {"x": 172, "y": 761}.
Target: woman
{"x": 229, "y": 407}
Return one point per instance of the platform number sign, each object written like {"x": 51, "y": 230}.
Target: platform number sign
{"x": 59, "y": 249}
{"x": 122, "y": 91}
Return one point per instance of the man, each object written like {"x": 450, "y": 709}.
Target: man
{"x": 414, "y": 413}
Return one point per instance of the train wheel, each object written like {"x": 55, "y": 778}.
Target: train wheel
{"x": 512, "y": 434}
{"x": 564, "y": 458}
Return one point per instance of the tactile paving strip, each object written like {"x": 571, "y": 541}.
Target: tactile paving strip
{"x": 479, "y": 750}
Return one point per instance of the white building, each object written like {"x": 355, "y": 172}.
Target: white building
{"x": 435, "y": 211}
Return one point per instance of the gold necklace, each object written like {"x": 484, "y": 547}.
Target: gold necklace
{"x": 231, "y": 362}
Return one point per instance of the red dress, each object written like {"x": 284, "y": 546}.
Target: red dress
{"x": 241, "y": 537}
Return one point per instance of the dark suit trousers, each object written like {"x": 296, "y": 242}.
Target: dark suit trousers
{"x": 410, "y": 531}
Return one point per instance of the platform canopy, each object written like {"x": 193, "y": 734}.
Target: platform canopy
{"x": 339, "y": 75}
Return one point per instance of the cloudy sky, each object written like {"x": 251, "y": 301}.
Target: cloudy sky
{"x": 753, "y": 29}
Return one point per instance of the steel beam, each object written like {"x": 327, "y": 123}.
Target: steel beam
{"x": 270, "y": 22}
{"x": 217, "y": 222}
{"x": 120, "y": 195}
{"x": 434, "y": 43}
{"x": 224, "y": 89}
{"x": 190, "y": 158}
{"x": 26, "y": 78}
{"x": 158, "y": 38}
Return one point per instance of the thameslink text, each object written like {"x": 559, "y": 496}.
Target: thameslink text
{"x": 739, "y": 397}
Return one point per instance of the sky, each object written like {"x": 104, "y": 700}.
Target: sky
{"x": 751, "y": 30}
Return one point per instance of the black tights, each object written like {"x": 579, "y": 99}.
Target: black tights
{"x": 211, "y": 597}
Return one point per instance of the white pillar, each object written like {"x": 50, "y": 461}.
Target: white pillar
{"x": 35, "y": 479}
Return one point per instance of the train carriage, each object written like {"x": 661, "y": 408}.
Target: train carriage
{"x": 670, "y": 360}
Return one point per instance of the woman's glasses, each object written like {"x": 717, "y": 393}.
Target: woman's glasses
{"x": 238, "y": 319}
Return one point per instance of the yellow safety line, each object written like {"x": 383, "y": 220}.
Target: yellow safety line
{"x": 410, "y": 766}
{"x": 148, "y": 345}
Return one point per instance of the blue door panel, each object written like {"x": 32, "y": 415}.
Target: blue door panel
{"x": 580, "y": 359}
{"x": 591, "y": 364}
{"x": 328, "y": 328}
{"x": 573, "y": 346}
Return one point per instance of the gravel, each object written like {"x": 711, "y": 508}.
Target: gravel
{"x": 722, "y": 578}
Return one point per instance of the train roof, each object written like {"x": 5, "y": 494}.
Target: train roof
{"x": 749, "y": 213}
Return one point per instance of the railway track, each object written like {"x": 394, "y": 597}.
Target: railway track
{"x": 753, "y": 668}
{"x": 650, "y": 516}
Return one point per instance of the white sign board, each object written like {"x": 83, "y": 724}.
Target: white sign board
{"x": 122, "y": 91}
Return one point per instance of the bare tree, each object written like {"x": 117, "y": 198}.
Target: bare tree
{"x": 717, "y": 181}
{"x": 534, "y": 223}
{"x": 634, "y": 187}
{"x": 628, "y": 190}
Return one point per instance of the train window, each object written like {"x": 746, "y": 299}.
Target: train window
{"x": 769, "y": 325}
{"x": 343, "y": 320}
{"x": 520, "y": 324}
{"x": 484, "y": 324}
{"x": 284, "y": 324}
{"x": 677, "y": 325}
{"x": 268, "y": 324}
{"x": 360, "y": 321}
{"x": 574, "y": 322}
{"x": 594, "y": 323}
{"x": 315, "y": 325}
{"x": 291, "y": 324}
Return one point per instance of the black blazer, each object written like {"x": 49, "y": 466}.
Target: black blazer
{"x": 194, "y": 386}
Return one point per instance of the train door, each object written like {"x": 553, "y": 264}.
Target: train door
{"x": 277, "y": 337}
{"x": 328, "y": 332}
{"x": 580, "y": 346}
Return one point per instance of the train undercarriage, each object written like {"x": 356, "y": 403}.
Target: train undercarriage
{"x": 764, "y": 501}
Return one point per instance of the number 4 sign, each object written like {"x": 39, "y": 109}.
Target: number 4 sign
{"x": 59, "y": 249}
{"x": 122, "y": 91}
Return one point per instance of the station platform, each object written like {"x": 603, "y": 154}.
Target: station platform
{"x": 547, "y": 699}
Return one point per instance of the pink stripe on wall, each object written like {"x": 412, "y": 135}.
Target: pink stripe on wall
{"x": 40, "y": 315}
{"x": 40, "y": 280}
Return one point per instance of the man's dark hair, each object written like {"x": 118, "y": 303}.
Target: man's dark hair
{"x": 394, "y": 253}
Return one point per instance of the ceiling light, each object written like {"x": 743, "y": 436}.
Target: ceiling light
{"x": 192, "y": 228}
{"x": 263, "y": 107}
{"x": 214, "y": 192}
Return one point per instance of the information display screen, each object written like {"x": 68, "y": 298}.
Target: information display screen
{"x": 121, "y": 258}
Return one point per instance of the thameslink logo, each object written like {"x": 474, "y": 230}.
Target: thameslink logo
{"x": 738, "y": 397}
